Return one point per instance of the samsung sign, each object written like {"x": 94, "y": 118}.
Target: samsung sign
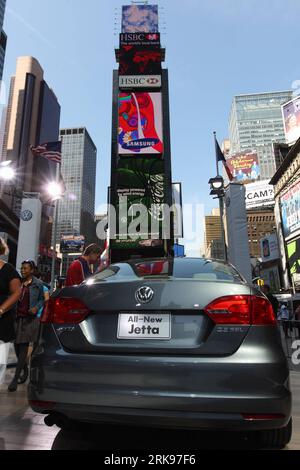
{"x": 140, "y": 81}
{"x": 259, "y": 194}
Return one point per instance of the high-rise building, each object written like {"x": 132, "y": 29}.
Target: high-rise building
{"x": 256, "y": 123}
{"x": 31, "y": 118}
{"x": 76, "y": 215}
{"x": 260, "y": 223}
{"x": 3, "y": 37}
{"x": 213, "y": 235}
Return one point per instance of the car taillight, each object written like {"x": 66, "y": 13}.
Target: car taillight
{"x": 262, "y": 312}
{"x": 64, "y": 310}
{"x": 241, "y": 310}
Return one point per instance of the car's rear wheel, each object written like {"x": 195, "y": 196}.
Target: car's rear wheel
{"x": 276, "y": 438}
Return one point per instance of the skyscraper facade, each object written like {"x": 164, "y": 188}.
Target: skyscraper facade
{"x": 77, "y": 210}
{"x": 3, "y": 37}
{"x": 256, "y": 123}
{"x": 31, "y": 118}
{"x": 213, "y": 235}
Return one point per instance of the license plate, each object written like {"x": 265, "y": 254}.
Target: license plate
{"x": 144, "y": 326}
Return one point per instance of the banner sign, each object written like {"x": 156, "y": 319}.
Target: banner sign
{"x": 259, "y": 194}
{"x": 29, "y": 231}
{"x": 140, "y": 123}
{"x": 140, "y": 81}
{"x": 290, "y": 211}
{"x": 140, "y": 18}
{"x": 291, "y": 119}
{"x": 244, "y": 167}
{"x": 269, "y": 248}
{"x": 140, "y": 39}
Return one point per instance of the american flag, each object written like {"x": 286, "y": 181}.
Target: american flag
{"x": 49, "y": 150}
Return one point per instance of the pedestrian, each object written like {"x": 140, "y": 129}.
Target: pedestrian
{"x": 297, "y": 319}
{"x": 80, "y": 269}
{"x": 284, "y": 313}
{"x": 10, "y": 291}
{"x": 27, "y": 324}
{"x": 284, "y": 316}
{"x": 266, "y": 289}
{"x": 46, "y": 291}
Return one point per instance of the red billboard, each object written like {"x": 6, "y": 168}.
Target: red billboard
{"x": 244, "y": 166}
{"x": 136, "y": 61}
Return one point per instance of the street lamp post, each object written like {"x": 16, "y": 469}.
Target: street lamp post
{"x": 217, "y": 190}
{"x": 55, "y": 192}
{"x": 7, "y": 172}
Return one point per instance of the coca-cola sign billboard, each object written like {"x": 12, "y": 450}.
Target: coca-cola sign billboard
{"x": 140, "y": 185}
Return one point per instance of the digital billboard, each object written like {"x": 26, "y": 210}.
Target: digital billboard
{"x": 140, "y": 123}
{"x": 140, "y": 39}
{"x": 140, "y": 19}
{"x": 244, "y": 167}
{"x": 293, "y": 250}
{"x": 136, "y": 61}
{"x": 72, "y": 244}
{"x": 140, "y": 182}
{"x": 290, "y": 211}
{"x": 291, "y": 119}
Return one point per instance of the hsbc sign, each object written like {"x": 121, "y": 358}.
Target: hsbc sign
{"x": 140, "y": 39}
{"x": 140, "y": 81}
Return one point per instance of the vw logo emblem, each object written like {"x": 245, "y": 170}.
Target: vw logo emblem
{"x": 144, "y": 295}
{"x": 26, "y": 215}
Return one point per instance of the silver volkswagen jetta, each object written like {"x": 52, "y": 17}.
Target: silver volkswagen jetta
{"x": 179, "y": 343}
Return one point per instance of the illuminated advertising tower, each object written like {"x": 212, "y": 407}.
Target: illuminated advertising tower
{"x": 141, "y": 182}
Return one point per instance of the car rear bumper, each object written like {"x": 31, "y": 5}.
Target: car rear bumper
{"x": 161, "y": 418}
{"x": 183, "y": 392}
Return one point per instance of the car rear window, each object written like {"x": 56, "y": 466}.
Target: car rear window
{"x": 185, "y": 268}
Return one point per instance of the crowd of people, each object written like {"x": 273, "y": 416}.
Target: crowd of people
{"x": 286, "y": 313}
{"x": 22, "y": 300}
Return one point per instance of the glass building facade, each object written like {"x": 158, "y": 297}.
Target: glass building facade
{"x": 3, "y": 37}
{"x": 255, "y": 123}
{"x": 77, "y": 209}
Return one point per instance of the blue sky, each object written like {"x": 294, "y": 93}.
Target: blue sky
{"x": 215, "y": 49}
